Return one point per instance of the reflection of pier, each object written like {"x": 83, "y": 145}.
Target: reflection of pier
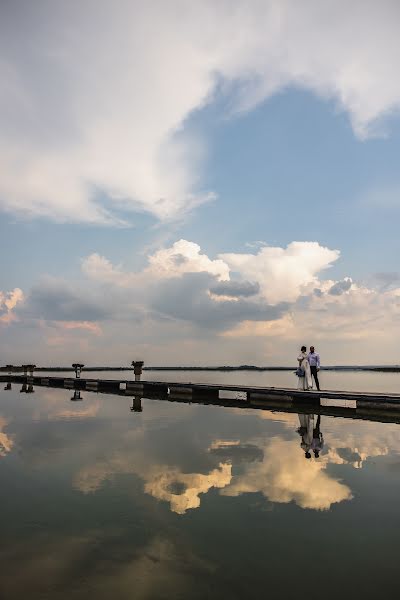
{"x": 373, "y": 406}
{"x": 27, "y": 388}
{"x": 137, "y": 404}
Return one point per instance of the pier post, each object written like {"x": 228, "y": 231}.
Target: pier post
{"x": 137, "y": 368}
{"x": 28, "y": 370}
{"x": 78, "y": 368}
{"x": 10, "y": 370}
{"x": 77, "y": 395}
{"x": 31, "y": 368}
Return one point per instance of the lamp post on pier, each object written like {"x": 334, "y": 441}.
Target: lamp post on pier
{"x": 78, "y": 368}
{"x": 28, "y": 370}
{"x": 137, "y": 368}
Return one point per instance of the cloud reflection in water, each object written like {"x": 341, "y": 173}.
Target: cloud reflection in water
{"x": 6, "y": 443}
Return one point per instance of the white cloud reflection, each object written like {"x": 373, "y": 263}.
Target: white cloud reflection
{"x": 181, "y": 490}
{"x": 282, "y": 475}
{"x": 6, "y": 442}
{"x": 285, "y": 476}
{"x": 273, "y": 465}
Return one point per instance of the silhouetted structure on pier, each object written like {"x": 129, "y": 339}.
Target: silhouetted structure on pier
{"x": 28, "y": 370}
{"x": 137, "y": 368}
{"x": 78, "y": 369}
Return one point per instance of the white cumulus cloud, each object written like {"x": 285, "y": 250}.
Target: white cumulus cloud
{"x": 182, "y": 257}
{"x": 283, "y": 272}
{"x": 186, "y": 257}
{"x": 279, "y": 274}
{"x": 94, "y": 95}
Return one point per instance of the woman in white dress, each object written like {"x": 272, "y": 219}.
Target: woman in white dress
{"x": 305, "y": 382}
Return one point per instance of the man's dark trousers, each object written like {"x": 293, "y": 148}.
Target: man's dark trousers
{"x": 314, "y": 373}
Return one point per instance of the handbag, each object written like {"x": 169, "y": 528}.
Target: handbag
{"x": 300, "y": 372}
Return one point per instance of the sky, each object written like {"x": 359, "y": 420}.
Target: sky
{"x": 199, "y": 183}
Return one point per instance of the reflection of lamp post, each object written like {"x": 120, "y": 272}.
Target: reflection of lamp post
{"x": 78, "y": 368}
{"x": 137, "y": 404}
{"x": 137, "y": 368}
{"x": 77, "y": 395}
{"x": 27, "y": 388}
{"x": 10, "y": 370}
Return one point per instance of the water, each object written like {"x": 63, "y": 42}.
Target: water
{"x": 190, "y": 501}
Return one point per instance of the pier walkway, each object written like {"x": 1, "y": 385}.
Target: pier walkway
{"x": 375, "y": 406}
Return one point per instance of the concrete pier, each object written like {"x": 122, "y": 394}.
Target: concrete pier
{"x": 363, "y": 405}
{"x": 92, "y": 386}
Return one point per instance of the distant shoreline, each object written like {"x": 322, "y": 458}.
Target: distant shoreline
{"x": 373, "y": 368}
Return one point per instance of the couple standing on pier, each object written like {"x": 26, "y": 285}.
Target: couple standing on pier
{"x": 309, "y": 365}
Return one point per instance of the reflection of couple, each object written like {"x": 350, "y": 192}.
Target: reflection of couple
{"x": 311, "y": 437}
{"x": 309, "y": 365}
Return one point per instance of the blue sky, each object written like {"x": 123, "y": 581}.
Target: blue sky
{"x": 290, "y": 169}
{"x": 294, "y": 151}
{"x": 110, "y": 156}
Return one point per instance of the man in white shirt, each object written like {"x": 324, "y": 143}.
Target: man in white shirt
{"x": 314, "y": 360}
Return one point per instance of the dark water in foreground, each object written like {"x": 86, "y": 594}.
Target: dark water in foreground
{"x": 189, "y": 501}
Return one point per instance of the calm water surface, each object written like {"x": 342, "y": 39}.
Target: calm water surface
{"x": 189, "y": 501}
